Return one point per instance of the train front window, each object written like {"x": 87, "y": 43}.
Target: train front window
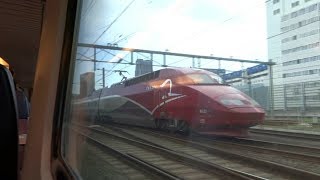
{"x": 216, "y": 78}
{"x": 147, "y": 100}
{"x": 203, "y": 79}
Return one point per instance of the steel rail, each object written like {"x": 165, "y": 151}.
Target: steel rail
{"x": 154, "y": 144}
{"x": 252, "y": 144}
{"x": 277, "y": 144}
{"x": 287, "y": 153}
{"x": 286, "y": 134}
{"x": 189, "y": 160}
{"x": 297, "y": 172}
{"x": 128, "y": 157}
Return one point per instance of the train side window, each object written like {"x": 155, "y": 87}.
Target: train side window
{"x": 122, "y": 114}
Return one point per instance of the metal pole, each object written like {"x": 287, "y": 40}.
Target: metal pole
{"x": 164, "y": 60}
{"x": 271, "y": 90}
{"x": 250, "y": 88}
{"x": 303, "y": 97}
{"x": 131, "y": 57}
{"x": 94, "y": 59}
{"x": 285, "y": 97}
{"x": 173, "y": 54}
{"x": 103, "y": 78}
{"x": 193, "y": 63}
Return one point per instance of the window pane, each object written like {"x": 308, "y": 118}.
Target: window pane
{"x": 170, "y": 89}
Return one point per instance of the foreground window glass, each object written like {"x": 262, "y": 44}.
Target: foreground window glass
{"x": 185, "y": 90}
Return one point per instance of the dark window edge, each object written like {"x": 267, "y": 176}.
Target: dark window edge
{"x": 59, "y": 168}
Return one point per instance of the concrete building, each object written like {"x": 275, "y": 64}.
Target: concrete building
{"x": 87, "y": 84}
{"x": 254, "y": 81}
{"x": 143, "y": 67}
{"x": 293, "y": 44}
{"x": 293, "y": 37}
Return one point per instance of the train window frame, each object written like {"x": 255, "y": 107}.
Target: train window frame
{"x": 59, "y": 166}
{"x": 63, "y": 96}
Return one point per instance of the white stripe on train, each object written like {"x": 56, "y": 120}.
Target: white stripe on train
{"x": 141, "y": 106}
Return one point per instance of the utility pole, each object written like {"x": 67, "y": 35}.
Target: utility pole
{"x": 94, "y": 59}
{"x": 193, "y": 63}
{"x": 103, "y": 78}
{"x": 271, "y": 105}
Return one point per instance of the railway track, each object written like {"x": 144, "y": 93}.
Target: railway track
{"x": 307, "y": 136}
{"x": 300, "y": 157}
{"x": 247, "y": 163}
{"x": 124, "y": 165}
{"x": 106, "y": 163}
{"x": 168, "y": 163}
{"x": 280, "y": 122}
{"x": 296, "y": 149}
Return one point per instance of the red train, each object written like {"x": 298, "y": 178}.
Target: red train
{"x": 178, "y": 99}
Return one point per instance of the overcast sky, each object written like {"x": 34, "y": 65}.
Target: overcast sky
{"x": 222, "y": 28}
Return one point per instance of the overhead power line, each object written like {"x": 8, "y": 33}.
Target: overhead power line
{"x": 115, "y": 20}
{"x": 166, "y": 53}
{"x": 109, "y": 26}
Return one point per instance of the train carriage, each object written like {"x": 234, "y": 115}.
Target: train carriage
{"x": 177, "y": 99}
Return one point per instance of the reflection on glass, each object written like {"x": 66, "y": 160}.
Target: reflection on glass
{"x": 172, "y": 74}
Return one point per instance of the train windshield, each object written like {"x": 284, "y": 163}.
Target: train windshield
{"x": 217, "y": 78}
{"x": 202, "y": 79}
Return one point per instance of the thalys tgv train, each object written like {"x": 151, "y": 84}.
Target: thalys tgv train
{"x": 176, "y": 99}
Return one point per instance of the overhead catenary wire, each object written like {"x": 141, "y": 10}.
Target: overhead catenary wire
{"x": 117, "y": 41}
{"x": 115, "y": 20}
{"x": 114, "y": 55}
{"x": 102, "y": 50}
{"x": 89, "y": 57}
{"x": 224, "y": 21}
{"x": 109, "y": 74}
{"x": 228, "y": 19}
{"x": 110, "y": 25}
{"x": 194, "y": 35}
{"x": 87, "y": 11}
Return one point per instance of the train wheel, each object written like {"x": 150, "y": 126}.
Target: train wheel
{"x": 96, "y": 119}
{"x": 157, "y": 123}
{"x": 183, "y": 127}
{"x": 163, "y": 124}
